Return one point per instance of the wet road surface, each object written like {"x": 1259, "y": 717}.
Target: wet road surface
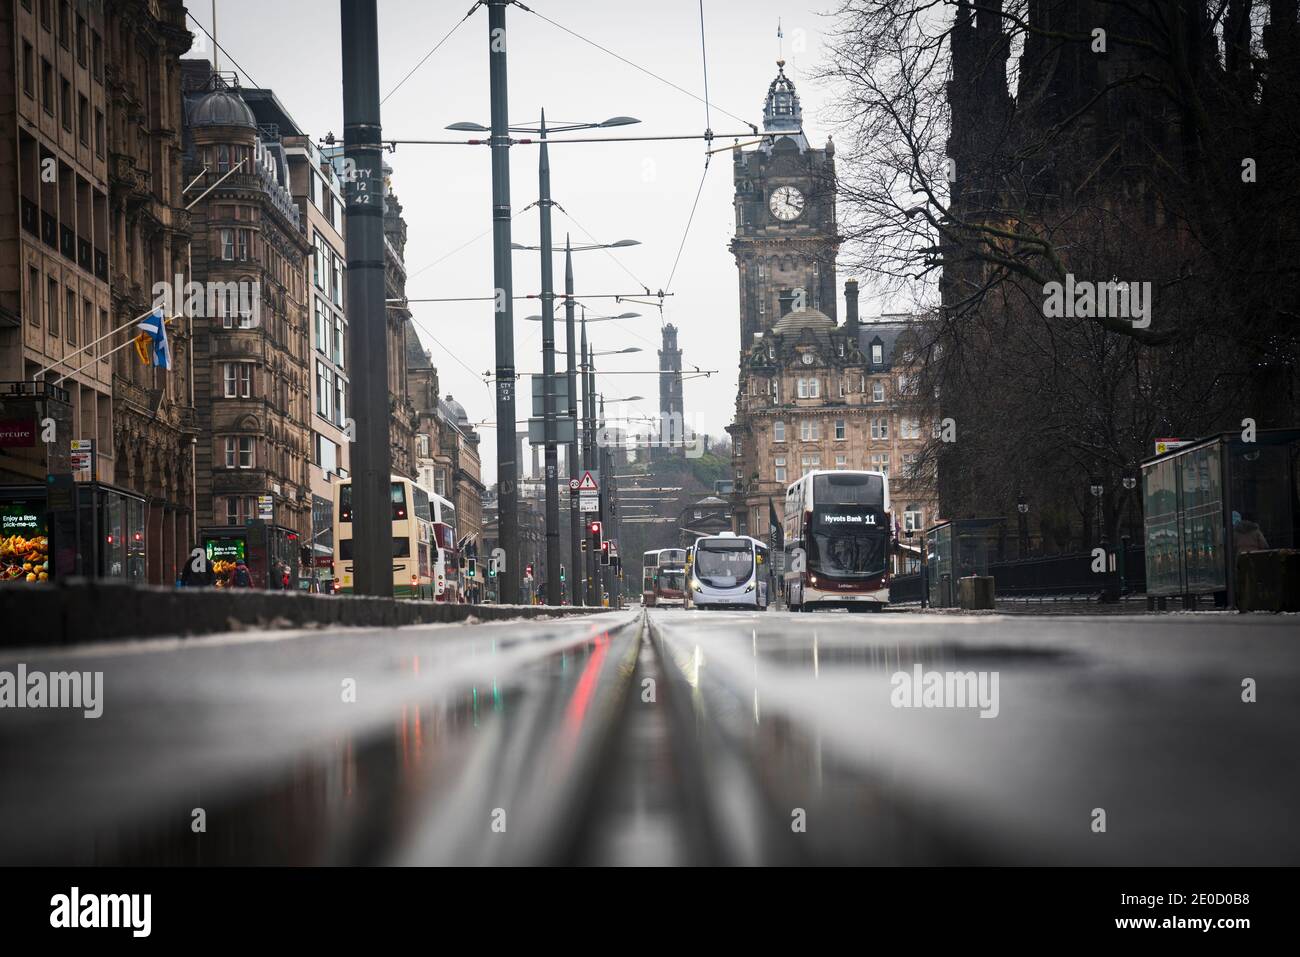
{"x": 669, "y": 737}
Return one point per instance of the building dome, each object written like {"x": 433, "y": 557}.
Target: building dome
{"x": 793, "y": 323}
{"x": 222, "y": 108}
{"x": 457, "y": 410}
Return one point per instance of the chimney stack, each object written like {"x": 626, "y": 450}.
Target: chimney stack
{"x": 851, "y": 305}
{"x": 787, "y": 303}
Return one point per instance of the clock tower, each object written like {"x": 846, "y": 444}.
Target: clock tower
{"x": 786, "y": 238}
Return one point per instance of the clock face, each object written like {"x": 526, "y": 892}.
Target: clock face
{"x": 807, "y": 358}
{"x": 786, "y": 203}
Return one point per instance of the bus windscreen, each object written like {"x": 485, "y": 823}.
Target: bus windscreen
{"x": 848, "y": 488}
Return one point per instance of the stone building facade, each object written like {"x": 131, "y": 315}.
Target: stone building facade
{"x": 154, "y": 426}
{"x": 251, "y": 348}
{"x": 93, "y": 218}
{"x": 812, "y": 393}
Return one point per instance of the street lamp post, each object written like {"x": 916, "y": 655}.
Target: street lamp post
{"x": 507, "y": 468}
{"x": 573, "y": 456}
{"x": 548, "y": 377}
{"x": 371, "y": 459}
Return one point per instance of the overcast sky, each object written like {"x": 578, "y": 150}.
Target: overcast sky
{"x": 613, "y": 191}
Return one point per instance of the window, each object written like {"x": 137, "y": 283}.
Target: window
{"x": 65, "y": 102}
{"x": 422, "y": 445}
{"x": 340, "y": 386}
{"x": 81, "y": 39}
{"x": 841, "y": 461}
{"x": 740, "y": 448}
{"x": 45, "y": 14}
{"x": 877, "y": 354}
{"x": 909, "y": 428}
{"x": 99, "y": 132}
{"x": 239, "y": 452}
{"x": 96, "y": 55}
{"x": 778, "y": 471}
{"x": 47, "y": 86}
{"x": 809, "y": 388}
{"x": 778, "y": 431}
{"x": 880, "y": 463}
{"x": 29, "y": 69}
{"x": 913, "y": 518}
{"x": 336, "y": 279}
{"x": 241, "y": 243}
{"x": 327, "y": 454}
{"x": 906, "y": 385}
{"x": 440, "y": 481}
{"x": 880, "y": 428}
{"x": 324, "y": 389}
{"x": 810, "y": 430}
{"x": 812, "y": 461}
{"x": 63, "y": 22}
{"x": 52, "y": 304}
{"x": 70, "y": 311}
{"x": 318, "y": 263}
{"x": 238, "y": 378}
{"x": 227, "y": 244}
{"x": 877, "y": 391}
{"x": 83, "y": 119}
{"x": 841, "y": 431}
{"x": 322, "y": 326}
{"x": 87, "y": 321}
{"x": 232, "y": 510}
{"x": 33, "y": 296}
{"x": 340, "y": 334}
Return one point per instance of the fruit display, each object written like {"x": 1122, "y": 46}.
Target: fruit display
{"x": 25, "y": 559}
{"x": 221, "y": 569}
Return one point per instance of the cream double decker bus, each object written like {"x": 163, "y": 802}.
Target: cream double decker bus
{"x": 424, "y": 540}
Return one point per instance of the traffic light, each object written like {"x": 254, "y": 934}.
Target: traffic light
{"x": 604, "y": 553}
{"x": 561, "y": 573}
{"x": 492, "y": 568}
{"x": 583, "y": 543}
{"x": 594, "y": 529}
{"x": 528, "y": 570}
{"x": 472, "y": 570}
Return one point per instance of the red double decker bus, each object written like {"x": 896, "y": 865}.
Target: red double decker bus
{"x": 838, "y": 536}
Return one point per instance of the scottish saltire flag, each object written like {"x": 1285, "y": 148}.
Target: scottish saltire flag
{"x": 154, "y": 327}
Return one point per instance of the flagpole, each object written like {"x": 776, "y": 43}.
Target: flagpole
{"x": 91, "y": 345}
{"x": 110, "y": 352}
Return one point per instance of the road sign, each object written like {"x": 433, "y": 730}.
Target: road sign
{"x": 265, "y": 507}
{"x": 1168, "y": 445}
{"x": 588, "y": 502}
{"x": 561, "y": 394}
{"x": 590, "y": 481}
{"x": 573, "y": 485}
{"x": 565, "y": 431}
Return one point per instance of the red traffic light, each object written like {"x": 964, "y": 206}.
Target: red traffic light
{"x": 594, "y": 528}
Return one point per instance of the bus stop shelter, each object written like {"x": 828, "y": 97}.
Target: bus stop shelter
{"x": 1212, "y": 500}
{"x": 956, "y": 549}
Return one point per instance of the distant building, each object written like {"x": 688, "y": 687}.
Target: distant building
{"x": 671, "y": 429}
{"x": 709, "y": 516}
{"x": 812, "y": 393}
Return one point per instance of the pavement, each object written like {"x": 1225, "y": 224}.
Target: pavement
{"x": 670, "y": 737}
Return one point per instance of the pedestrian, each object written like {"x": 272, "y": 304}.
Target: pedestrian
{"x": 240, "y": 577}
{"x": 1247, "y": 535}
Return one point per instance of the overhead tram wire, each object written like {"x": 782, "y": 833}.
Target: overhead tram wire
{"x": 218, "y": 46}
{"x": 446, "y": 37}
{"x": 634, "y": 65}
